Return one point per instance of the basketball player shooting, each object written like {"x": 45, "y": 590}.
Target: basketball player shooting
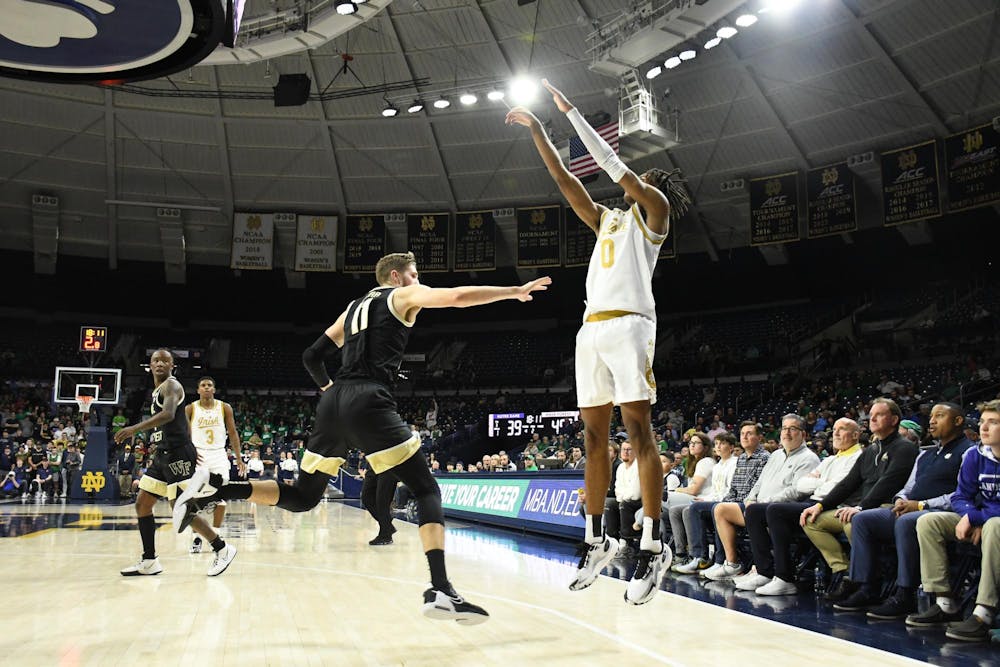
{"x": 358, "y": 411}
{"x": 614, "y": 347}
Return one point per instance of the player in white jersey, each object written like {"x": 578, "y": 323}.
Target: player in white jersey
{"x": 212, "y": 422}
{"x": 614, "y": 348}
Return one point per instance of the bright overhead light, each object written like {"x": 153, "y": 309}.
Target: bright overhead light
{"x": 688, "y": 54}
{"x": 495, "y": 95}
{"x": 389, "y": 111}
{"x": 345, "y": 7}
{"x": 523, "y": 90}
{"x": 672, "y": 62}
{"x": 442, "y": 103}
{"x": 712, "y": 43}
{"x": 654, "y": 72}
{"x": 726, "y": 32}
{"x": 415, "y": 107}
{"x": 468, "y": 98}
{"x": 746, "y": 20}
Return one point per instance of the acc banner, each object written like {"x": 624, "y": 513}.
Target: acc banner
{"x": 774, "y": 209}
{"x": 364, "y": 242}
{"x": 580, "y": 240}
{"x": 253, "y": 241}
{"x": 831, "y": 201}
{"x": 475, "y": 241}
{"x": 910, "y": 187}
{"x": 538, "y": 236}
{"x": 316, "y": 243}
{"x": 428, "y": 240}
{"x": 973, "y": 168}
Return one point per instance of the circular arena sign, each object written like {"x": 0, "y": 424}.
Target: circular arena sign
{"x": 106, "y": 41}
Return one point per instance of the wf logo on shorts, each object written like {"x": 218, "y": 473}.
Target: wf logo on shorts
{"x": 181, "y": 468}
{"x": 93, "y": 482}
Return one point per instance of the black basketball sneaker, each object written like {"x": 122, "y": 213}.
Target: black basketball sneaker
{"x": 448, "y": 605}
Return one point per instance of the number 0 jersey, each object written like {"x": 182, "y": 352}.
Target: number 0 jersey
{"x": 621, "y": 267}
{"x": 208, "y": 426}
{"x": 375, "y": 336}
{"x": 175, "y": 433}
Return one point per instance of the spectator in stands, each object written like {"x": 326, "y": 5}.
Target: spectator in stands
{"x": 71, "y": 463}
{"x": 560, "y": 456}
{"x": 628, "y": 497}
{"x": 255, "y": 467}
{"x": 533, "y": 447}
{"x": 288, "y": 469}
{"x": 698, "y": 471}
{"x": 878, "y": 474}
{"x": 929, "y": 488}
{"x": 125, "y": 465}
{"x": 22, "y": 472}
{"x": 670, "y": 468}
{"x": 6, "y": 458}
{"x": 975, "y": 518}
{"x": 494, "y": 463}
{"x": 270, "y": 464}
{"x": 745, "y": 475}
{"x": 911, "y": 430}
{"x": 119, "y": 421}
{"x": 43, "y": 479}
{"x": 773, "y": 532}
{"x": 777, "y": 484}
{"x": 577, "y": 460}
{"x": 529, "y": 464}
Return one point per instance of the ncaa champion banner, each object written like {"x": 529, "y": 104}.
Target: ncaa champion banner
{"x": 364, "y": 242}
{"x": 910, "y": 187}
{"x": 427, "y": 238}
{"x": 475, "y": 241}
{"x": 538, "y": 236}
{"x": 774, "y": 209}
{"x": 253, "y": 241}
{"x": 316, "y": 243}
{"x": 973, "y": 168}
{"x": 580, "y": 240}
{"x": 831, "y": 202}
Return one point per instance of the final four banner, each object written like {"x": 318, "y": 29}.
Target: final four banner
{"x": 774, "y": 209}
{"x": 910, "y": 187}
{"x": 316, "y": 243}
{"x": 475, "y": 241}
{"x": 253, "y": 241}
{"x": 364, "y": 242}
{"x": 831, "y": 204}
{"x": 538, "y": 236}
{"x": 427, "y": 235}
{"x": 580, "y": 240}
{"x": 973, "y": 168}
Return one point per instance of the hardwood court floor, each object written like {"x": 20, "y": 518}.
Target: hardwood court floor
{"x": 306, "y": 589}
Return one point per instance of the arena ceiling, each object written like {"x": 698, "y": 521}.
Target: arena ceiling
{"x": 832, "y": 79}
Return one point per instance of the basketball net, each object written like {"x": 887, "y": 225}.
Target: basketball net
{"x": 83, "y": 402}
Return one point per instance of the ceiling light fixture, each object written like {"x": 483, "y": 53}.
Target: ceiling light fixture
{"x": 468, "y": 98}
{"x": 726, "y": 32}
{"x": 389, "y": 111}
{"x": 746, "y": 20}
{"x": 654, "y": 72}
{"x": 442, "y": 103}
{"x": 495, "y": 95}
{"x": 415, "y": 107}
{"x": 672, "y": 62}
{"x": 523, "y": 90}
{"x": 712, "y": 43}
{"x": 688, "y": 54}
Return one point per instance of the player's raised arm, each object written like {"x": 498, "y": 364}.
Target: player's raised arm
{"x": 314, "y": 356}
{"x": 405, "y": 299}
{"x": 569, "y": 185}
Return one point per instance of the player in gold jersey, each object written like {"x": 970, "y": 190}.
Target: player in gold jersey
{"x": 212, "y": 422}
{"x": 614, "y": 347}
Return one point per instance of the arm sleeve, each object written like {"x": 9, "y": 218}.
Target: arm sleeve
{"x": 598, "y": 148}
{"x": 313, "y": 358}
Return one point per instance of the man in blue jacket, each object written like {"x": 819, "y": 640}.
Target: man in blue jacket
{"x": 975, "y": 519}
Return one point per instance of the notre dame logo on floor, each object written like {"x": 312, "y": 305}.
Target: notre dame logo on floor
{"x": 93, "y": 482}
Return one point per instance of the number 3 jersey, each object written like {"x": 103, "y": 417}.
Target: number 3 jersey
{"x": 375, "y": 336}
{"x": 208, "y": 426}
{"x": 621, "y": 267}
{"x": 175, "y": 432}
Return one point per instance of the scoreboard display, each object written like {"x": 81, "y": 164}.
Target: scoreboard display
{"x": 517, "y": 424}
{"x": 93, "y": 338}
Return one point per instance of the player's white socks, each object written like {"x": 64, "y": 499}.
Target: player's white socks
{"x": 650, "y": 541}
{"x": 594, "y": 534}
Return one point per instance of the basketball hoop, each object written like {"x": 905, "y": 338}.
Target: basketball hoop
{"x": 83, "y": 402}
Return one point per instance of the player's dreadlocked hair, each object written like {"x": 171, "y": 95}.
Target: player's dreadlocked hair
{"x": 672, "y": 185}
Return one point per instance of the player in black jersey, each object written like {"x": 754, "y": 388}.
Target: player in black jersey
{"x": 173, "y": 463}
{"x": 358, "y": 412}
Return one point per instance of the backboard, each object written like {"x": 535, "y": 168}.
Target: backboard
{"x": 104, "y": 384}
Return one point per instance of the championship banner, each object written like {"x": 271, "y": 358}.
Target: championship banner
{"x": 973, "y": 168}
{"x": 427, "y": 238}
{"x": 316, "y": 243}
{"x": 538, "y": 237}
{"x": 364, "y": 242}
{"x": 910, "y": 187}
{"x": 253, "y": 242}
{"x": 580, "y": 240}
{"x": 774, "y": 209}
{"x": 832, "y": 207}
{"x": 475, "y": 241}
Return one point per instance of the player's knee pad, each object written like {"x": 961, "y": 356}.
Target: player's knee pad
{"x": 304, "y": 495}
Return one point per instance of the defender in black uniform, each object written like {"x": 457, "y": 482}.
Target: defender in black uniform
{"x": 173, "y": 464}
{"x": 358, "y": 411}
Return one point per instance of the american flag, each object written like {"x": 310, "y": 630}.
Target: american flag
{"x": 580, "y": 161}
